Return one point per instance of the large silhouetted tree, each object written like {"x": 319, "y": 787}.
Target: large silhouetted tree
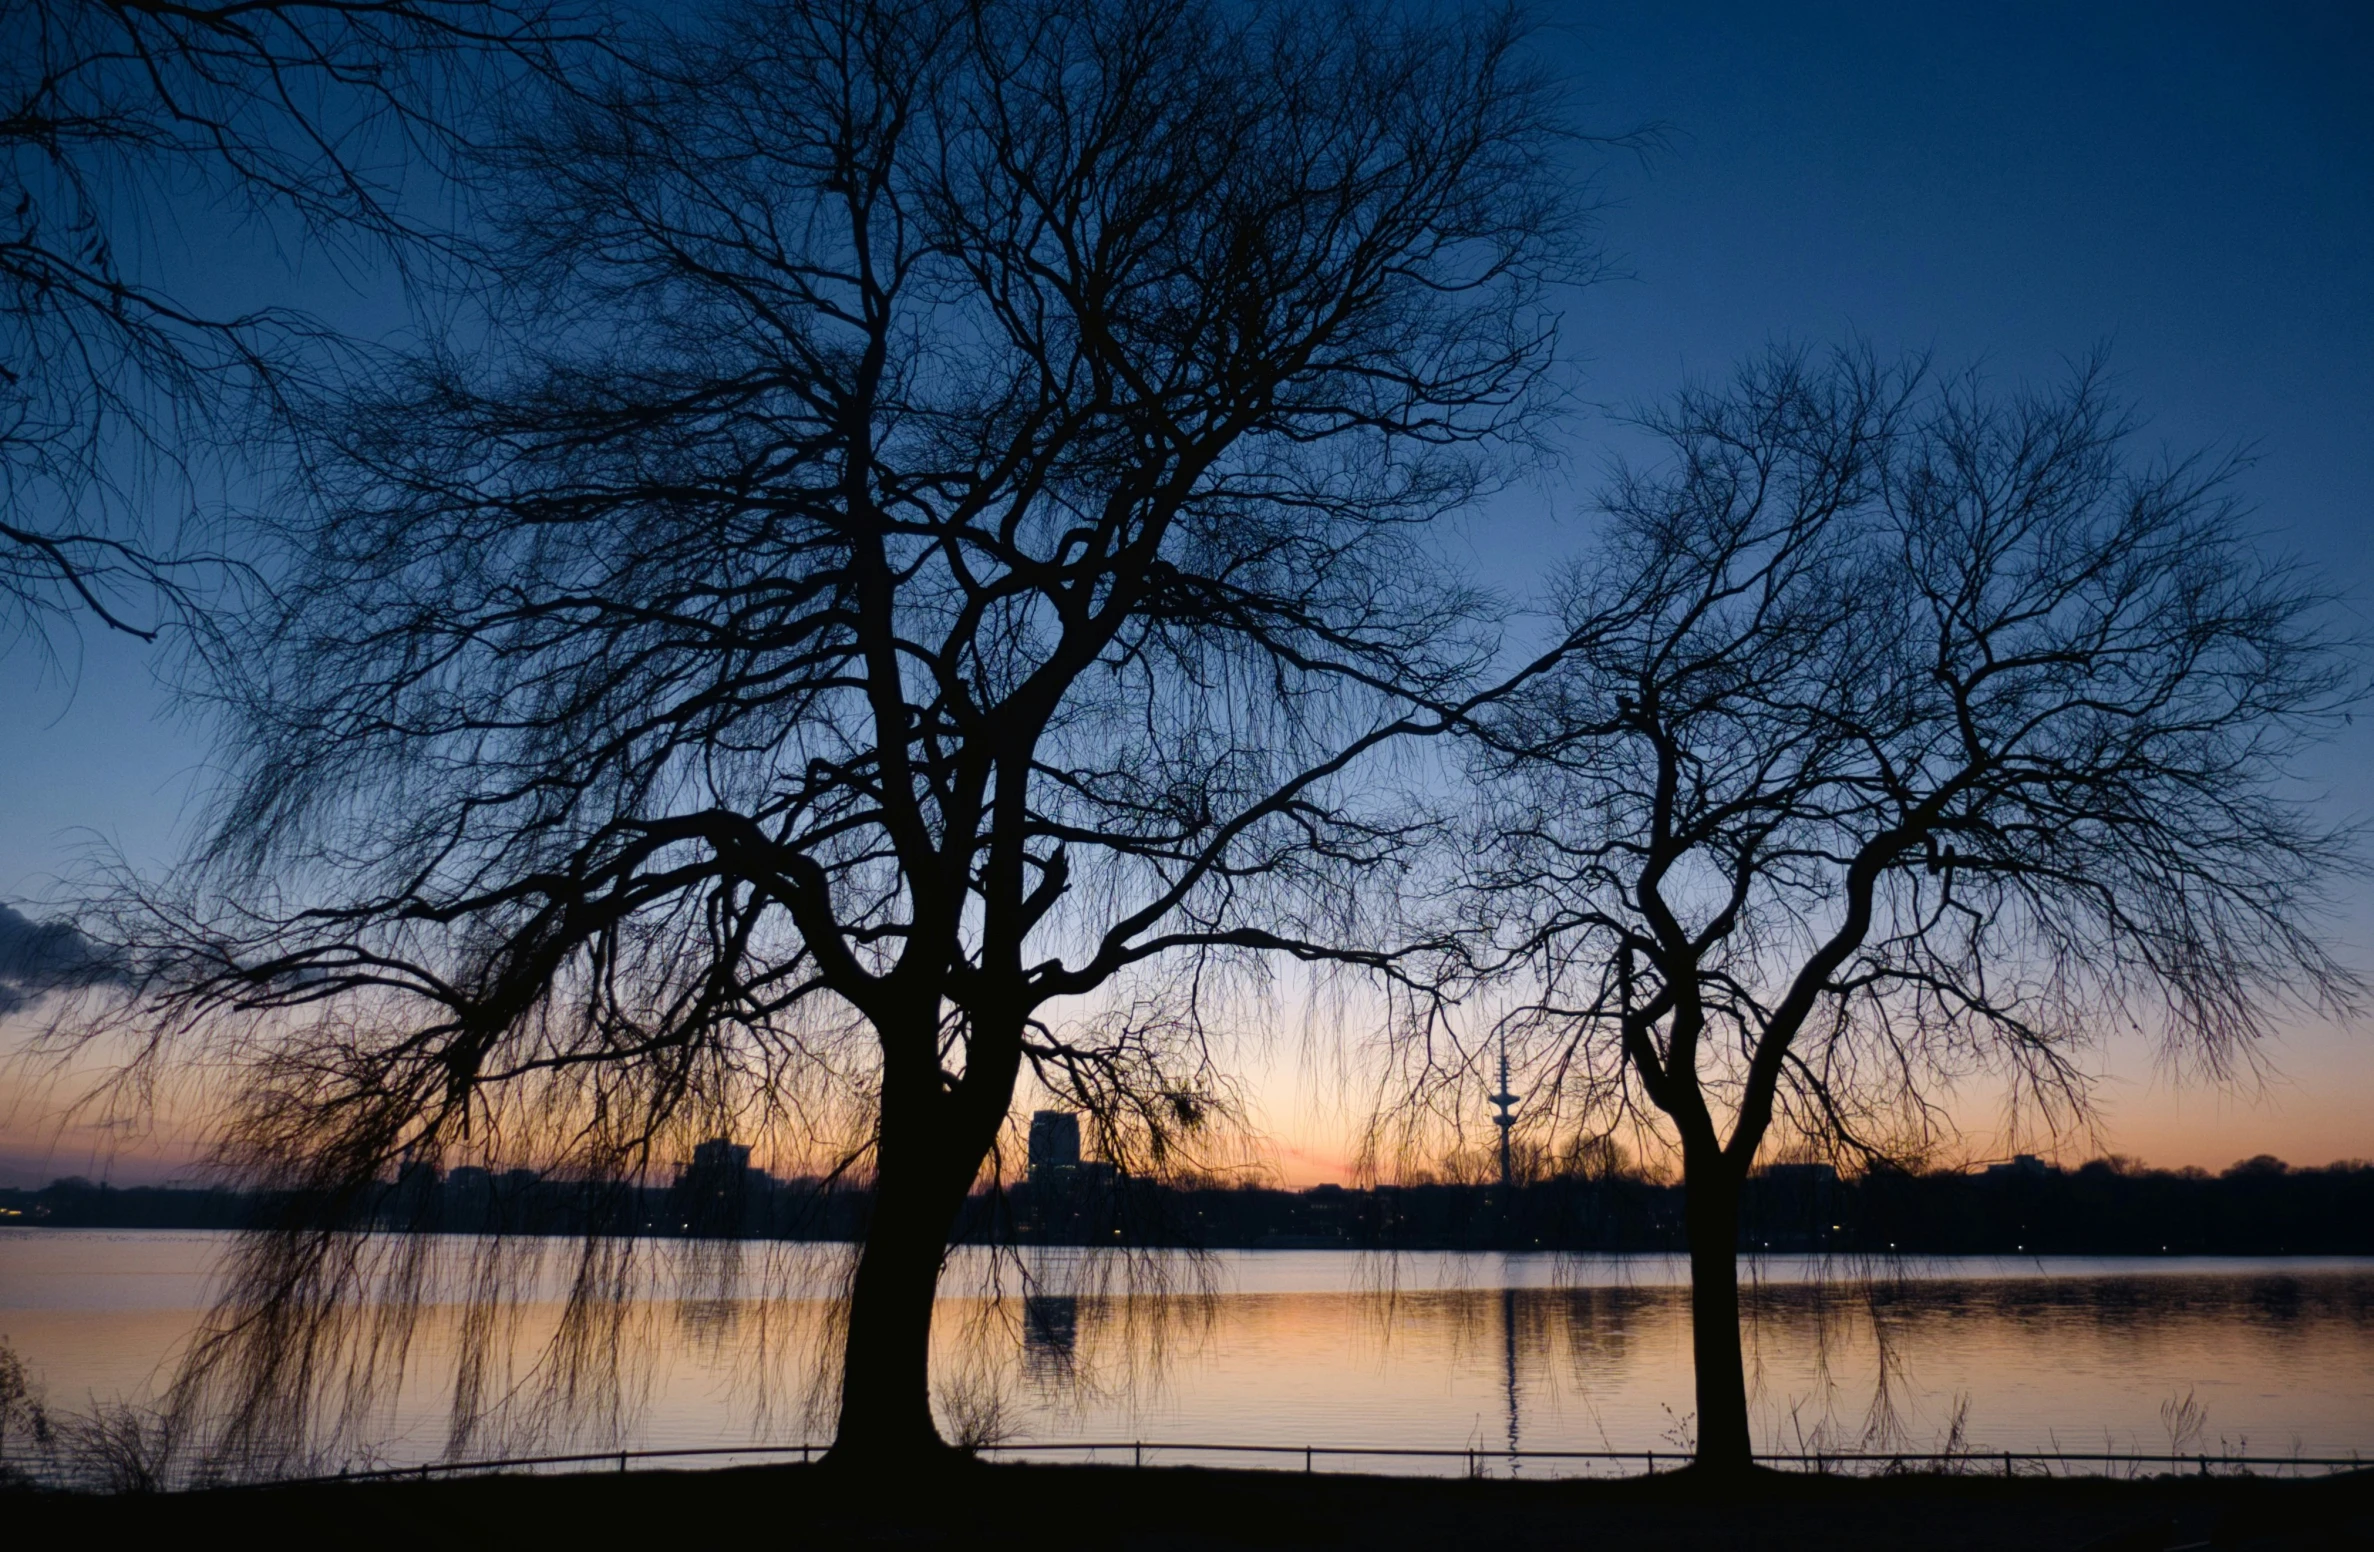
{"x": 916, "y": 580}
{"x": 1906, "y": 733}
{"x": 123, "y": 123}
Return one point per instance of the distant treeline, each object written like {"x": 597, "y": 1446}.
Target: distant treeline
{"x": 2259, "y": 1207}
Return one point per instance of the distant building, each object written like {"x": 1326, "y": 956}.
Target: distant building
{"x": 713, "y": 1192}
{"x": 2023, "y": 1166}
{"x": 1054, "y": 1141}
{"x": 1070, "y": 1200}
{"x": 722, "y": 1155}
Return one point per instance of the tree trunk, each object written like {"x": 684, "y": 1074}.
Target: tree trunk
{"x": 929, "y": 1150}
{"x": 1711, "y": 1212}
{"x": 886, "y": 1365}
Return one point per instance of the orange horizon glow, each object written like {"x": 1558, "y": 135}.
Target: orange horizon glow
{"x": 2312, "y": 1105}
{"x": 2222, "y": 1135}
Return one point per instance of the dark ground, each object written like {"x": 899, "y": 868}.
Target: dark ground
{"x": 1060, "y": 1508}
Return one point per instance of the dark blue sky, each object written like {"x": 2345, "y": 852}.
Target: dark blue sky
{"x": 2012, "y": 184}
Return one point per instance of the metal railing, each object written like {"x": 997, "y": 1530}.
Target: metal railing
{"x": 1477, "y": 1460}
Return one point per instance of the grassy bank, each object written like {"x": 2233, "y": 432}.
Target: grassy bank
{"x": 1068, "y": 1507}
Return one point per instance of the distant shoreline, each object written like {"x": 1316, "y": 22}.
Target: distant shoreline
{"x": 2052, "y": 1261}
{"x": 2261, "y": 1207}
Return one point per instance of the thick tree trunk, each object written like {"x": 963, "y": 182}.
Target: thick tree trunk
{"x": 930, "y": 1148}
{"x": 886, "y": 1366}
{"x": 1711, "y": 1212}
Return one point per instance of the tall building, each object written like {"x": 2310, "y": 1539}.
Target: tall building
{"x": 1069, "y": 1200}
{"x": 1054, "y": 1141}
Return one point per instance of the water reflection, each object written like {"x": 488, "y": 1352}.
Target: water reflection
{"x": 1051, "y": 1329}
{"x": 1508, "y": 1347}
{"x": 1446, "y": 1352}
{"x": 2281, "y": 1362}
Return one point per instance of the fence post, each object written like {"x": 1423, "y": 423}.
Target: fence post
{"x": 1137, "y": 1453}
{"x": 1652, "y": 1463}
{"x": 1306, "y": 1460}
{"x": 2007, "y": 1464}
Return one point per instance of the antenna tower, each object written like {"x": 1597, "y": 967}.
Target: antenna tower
{"x": 1506, "y": 1104}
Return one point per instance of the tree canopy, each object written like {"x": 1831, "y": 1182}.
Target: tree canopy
{"x": 914, "y": 580}
{"x": 1906, "y": 732}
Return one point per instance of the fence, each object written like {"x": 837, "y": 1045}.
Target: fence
{"x": 1466, "y": 1461}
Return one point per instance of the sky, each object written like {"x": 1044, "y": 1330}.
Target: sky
{"x": 2008, "y": 185}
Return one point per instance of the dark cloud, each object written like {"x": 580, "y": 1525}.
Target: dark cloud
{"x": 41, "y": 957}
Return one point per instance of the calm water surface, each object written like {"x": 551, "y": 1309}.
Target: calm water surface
{"x": 1296, "y": 1347}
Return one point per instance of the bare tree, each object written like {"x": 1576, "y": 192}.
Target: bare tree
{"x": 1907, "y": 734}
{"x": 117, "y": 119}
{"x": 915, "y": 591}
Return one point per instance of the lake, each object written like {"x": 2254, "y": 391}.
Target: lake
{"x": 1324, "y": 1348}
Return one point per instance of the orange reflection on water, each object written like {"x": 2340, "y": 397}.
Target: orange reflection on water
{"x": 1330, "y": 1348}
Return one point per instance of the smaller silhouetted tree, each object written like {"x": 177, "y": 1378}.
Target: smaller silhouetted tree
{"x": 1906, "y": 733}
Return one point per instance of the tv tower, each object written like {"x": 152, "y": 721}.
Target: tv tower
{"x": 1506, "y": 1104}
